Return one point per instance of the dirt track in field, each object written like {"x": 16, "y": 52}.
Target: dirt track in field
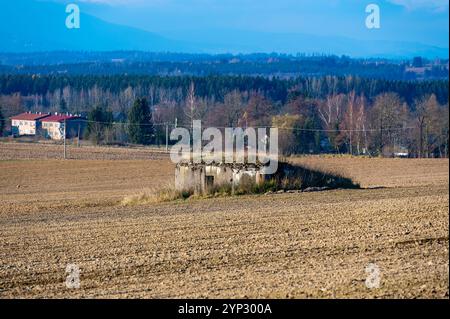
{"x": 314, "y": 245}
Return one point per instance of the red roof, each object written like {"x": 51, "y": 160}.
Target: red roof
{"x": 30, "y": 116}
{"x": 60, "y": 118}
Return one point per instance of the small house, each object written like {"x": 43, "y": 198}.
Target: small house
{"x": 53, "y": 126}
{"x": 27, "y": 123}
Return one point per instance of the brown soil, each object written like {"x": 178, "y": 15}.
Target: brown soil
{"x": 313, "y": 245}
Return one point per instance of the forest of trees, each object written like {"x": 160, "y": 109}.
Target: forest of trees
{"x": 315, "y": 115}
{"x": 2, "y": 122}
{"x": 179, "y": 64}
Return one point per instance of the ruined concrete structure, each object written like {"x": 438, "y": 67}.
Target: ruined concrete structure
{"x": 204, "y": 178}
{"x": 201, "y": 178}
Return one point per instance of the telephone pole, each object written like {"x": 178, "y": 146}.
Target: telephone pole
{"x": 78, "y": 139}
{"x": 65, "y": 151}
{"x": 167, "y": 137}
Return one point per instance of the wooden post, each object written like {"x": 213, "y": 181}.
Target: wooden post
{"x": 167, "y": 137}
{"x": 78, "y": 140}
{"x": 65, "y": 152}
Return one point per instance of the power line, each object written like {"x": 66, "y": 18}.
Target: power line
{"x": 124, "y": 123}
{"x": 255, "y": 127}
{"x": 347, "y": 130}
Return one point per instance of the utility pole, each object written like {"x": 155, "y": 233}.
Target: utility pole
{"x": 167, "y": 137}
{"x": 65, "y": 152}
{"x": 78, "y": 139}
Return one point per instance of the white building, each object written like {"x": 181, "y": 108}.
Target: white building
{"x": 53, "y": 126}
{"x": 27, "y": 123}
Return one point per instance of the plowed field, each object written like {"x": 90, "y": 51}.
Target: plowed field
{"x": 307, "y": 245}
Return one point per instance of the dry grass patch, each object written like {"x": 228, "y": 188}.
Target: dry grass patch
{"x": 155, "y": 195}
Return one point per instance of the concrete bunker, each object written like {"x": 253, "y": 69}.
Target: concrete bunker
{"x": 202, "y": 178}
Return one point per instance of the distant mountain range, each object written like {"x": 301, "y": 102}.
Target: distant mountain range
{"x": 34, "y": 26}
{"x": 29, "y": 26}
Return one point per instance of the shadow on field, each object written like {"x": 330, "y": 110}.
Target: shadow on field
{"x": 297, "y": 177}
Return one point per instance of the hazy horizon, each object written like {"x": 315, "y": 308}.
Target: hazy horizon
{"x": 407, "y": 27}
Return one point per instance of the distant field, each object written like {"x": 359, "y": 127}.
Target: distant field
{"x": 15, "y": 151}
{"x": 312, "y": 245}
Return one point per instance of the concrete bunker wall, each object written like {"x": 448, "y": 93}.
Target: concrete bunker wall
{"x": 202, "y": 177}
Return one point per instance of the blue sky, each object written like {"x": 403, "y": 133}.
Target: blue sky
{"x": 423, "y": 21}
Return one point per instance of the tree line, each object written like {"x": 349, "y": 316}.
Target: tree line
{"x": 315, "y": 115}
{"x": 50, "y": 89}
{"x": 284, "y": 65}
{"x": 341, "y": 124}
